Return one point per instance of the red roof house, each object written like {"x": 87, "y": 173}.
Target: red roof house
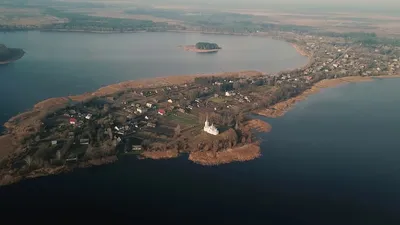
{"x": 72, "y": 121}
{"x": 161, "y": 112}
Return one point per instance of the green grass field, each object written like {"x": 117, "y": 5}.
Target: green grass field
{"x": 218, "y": 100}
{"x": 183, "y": 119}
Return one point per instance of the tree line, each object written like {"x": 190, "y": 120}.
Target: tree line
{"x": 207, "y": 46}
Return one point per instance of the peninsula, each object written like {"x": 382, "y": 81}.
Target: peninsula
{"x": 8, "y": 55}
{"x": 205, "y": 117}
{"x": 203, "y": 47}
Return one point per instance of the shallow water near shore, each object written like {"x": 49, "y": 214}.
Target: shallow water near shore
{"x": 332, "y": 159}
{"x": 61, "y": 64}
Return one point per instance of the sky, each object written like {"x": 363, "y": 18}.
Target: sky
{"x": 363, "y": 3}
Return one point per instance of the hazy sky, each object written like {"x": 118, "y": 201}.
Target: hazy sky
{"x": 361, "y": 3}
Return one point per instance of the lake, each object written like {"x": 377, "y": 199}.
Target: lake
{"x": 61, "y": 64}
{"x": 333, "y": 159}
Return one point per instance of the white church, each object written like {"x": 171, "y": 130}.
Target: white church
{"x": 210, "y": 129}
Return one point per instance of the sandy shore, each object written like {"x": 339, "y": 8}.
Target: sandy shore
{"x": 300, "y": 50}
{"x": 281, "y": 108}
{"x": 240, "y": 154}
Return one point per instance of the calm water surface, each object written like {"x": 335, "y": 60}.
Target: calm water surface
{"x": 333, "y": 159}
{"x": 60, "y": 64}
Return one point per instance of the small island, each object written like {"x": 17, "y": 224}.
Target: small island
{"x": 8, "y": 55}
{"x": 203, "y": 47}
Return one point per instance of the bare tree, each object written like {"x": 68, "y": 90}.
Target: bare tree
{"x": 28, "y": 160}
{"x": 58, "y": 155}
{"x": 237, "y": 125}
{"x": 110, "y": 134}
{"x": 177, "y": 130}
{"x": 193, "y": 95}
{"x": 236, "y": 85}
{"x": 106, "y": 107}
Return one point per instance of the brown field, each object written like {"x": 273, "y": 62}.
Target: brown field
{"x": 122, "y": 15}
{"x": 335, "y": 21}
{"x": 27, "y": 17}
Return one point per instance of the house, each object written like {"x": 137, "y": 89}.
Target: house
{"x": 84, "y": 141}
{"x": 170, "y": 100}
{"x": 152, "y": 125}
{"x": 72, "y": 121}
{"x": 88, "y": 116}
{"x": 53, "y": 142}
{"x": 136, "y": 147}
{"x": 149, "y": 105}
{"x": 211, "y": 129}
{"x": 161, "y": 112}
{"x": 140, "y": 110}
{"x": 227, "y": 94}
{"x": 308, "y": 78}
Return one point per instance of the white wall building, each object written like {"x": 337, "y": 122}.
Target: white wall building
{"x": 211, "y": 129}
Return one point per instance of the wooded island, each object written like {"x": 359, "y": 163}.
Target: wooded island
{"x": 207, "y": 46}
{"x": 8, "y": 55}
{"x": 203, "y": 47}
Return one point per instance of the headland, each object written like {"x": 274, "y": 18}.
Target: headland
{"x": 203, "y": 116}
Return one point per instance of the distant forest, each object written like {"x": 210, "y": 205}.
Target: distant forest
{"x": 78, "y": 21}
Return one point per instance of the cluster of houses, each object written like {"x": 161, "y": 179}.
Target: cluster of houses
{"x": 334, "y": 58}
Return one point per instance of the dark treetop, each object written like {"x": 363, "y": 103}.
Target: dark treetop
{"x": 10, "y": 54}
{"x": 207, "y": 46}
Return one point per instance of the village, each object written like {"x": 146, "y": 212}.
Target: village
{"x": 157, "y": 119}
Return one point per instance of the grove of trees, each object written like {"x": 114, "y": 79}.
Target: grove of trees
{"x": 207, "y": 46}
